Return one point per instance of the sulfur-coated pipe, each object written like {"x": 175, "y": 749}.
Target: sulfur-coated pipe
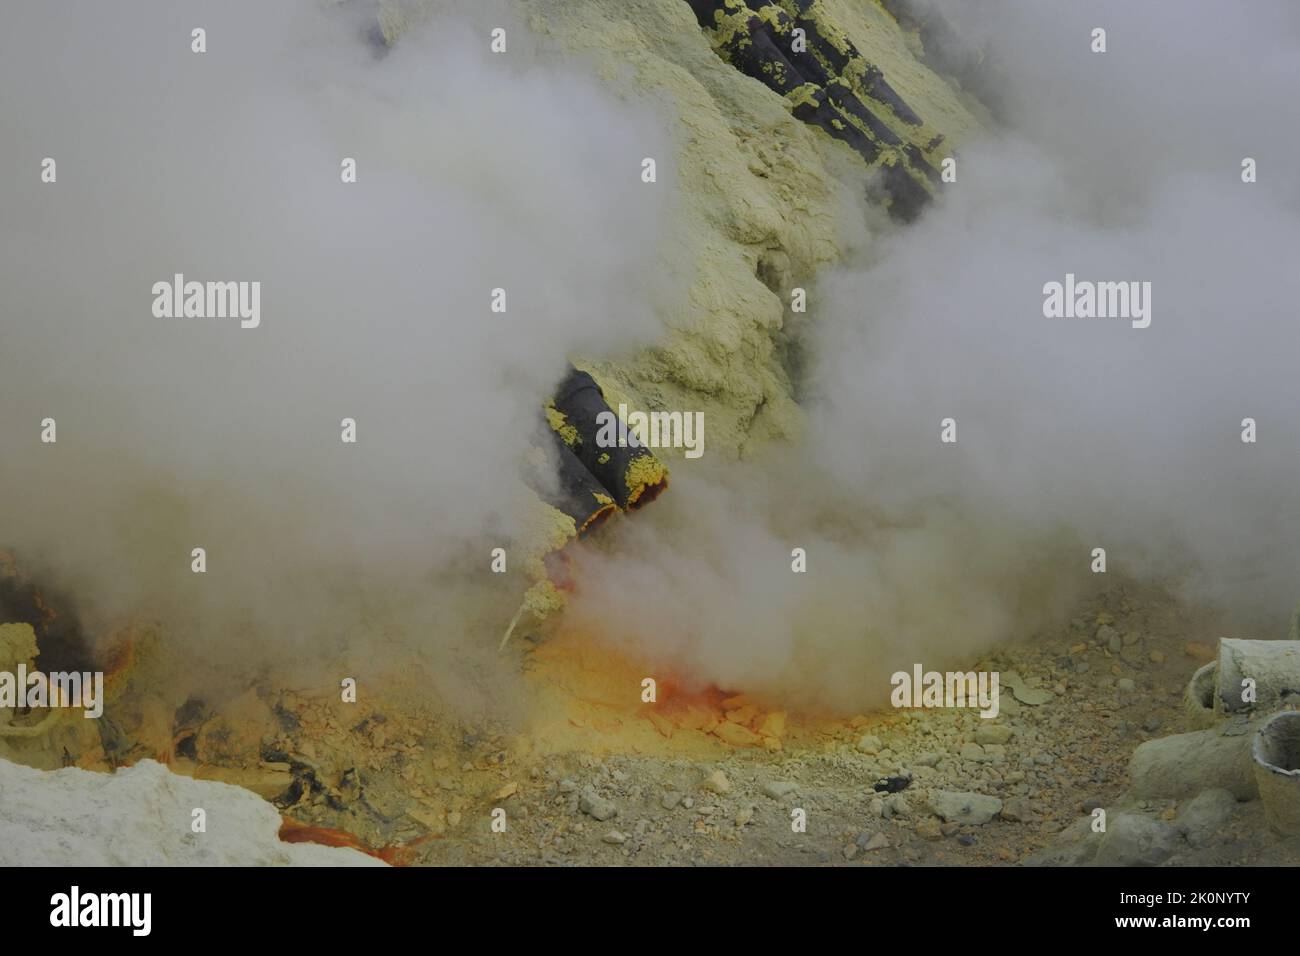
{"x": 626, "y": 469}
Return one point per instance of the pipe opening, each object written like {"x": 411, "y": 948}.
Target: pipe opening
{"x": 1277, "y": 745}
{"x": 1200, "y": 691}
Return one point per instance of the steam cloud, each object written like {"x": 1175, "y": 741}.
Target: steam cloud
{"x": 1072, "y": 433}
{"x": 475, "y": 172}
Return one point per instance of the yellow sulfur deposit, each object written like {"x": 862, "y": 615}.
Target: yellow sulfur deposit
{"x": 543, "y": 598}
{"x": 561, "y": 425}
{"x": 757, "y": 201}
{"x": 544, "y": 529}
{"x": 643, "y": 473}
{"x": 17, "y": 645}
{"x": 760, "y": 201}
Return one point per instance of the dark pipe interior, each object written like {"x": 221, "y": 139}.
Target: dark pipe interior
{"x": 59, "y": 635}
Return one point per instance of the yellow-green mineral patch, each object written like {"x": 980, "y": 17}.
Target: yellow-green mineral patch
{"x": 643, "y": 473}
{"x": 561, "y": 425}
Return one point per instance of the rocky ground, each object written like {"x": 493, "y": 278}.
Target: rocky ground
{"x": 591, "y": 775}
{"x": 981, "y": 792}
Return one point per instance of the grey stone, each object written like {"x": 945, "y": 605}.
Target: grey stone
{"x": 878, "y": 841}
{"x": 972, "y": 751}
{"x": 1032, "y": 696}
{"x": 717, "y": 782}
{"x": 1201, "y": 818}
{"x": 776, "y": 789}
{"x": 1133, "y": 657}
{"x": 1108, "y": 636}
{"x": 1182, "y": 765}
{"x": 988, "y": 733}
{"x": 596, "y": 806}
{"x": 869, "y": 744}
{"x": 970, "y": 809}
{"x": 1017, "y": 809}
{"x": 1076, "y": 845}
{"x": 1133, "y": 839}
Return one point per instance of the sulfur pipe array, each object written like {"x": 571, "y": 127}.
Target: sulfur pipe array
{"x": 585, "y": 423}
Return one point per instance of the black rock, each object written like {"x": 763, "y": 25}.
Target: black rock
{"x": 892, "y": 784}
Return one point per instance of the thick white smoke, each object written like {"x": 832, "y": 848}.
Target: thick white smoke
{"x": 1073, "y": 434}
{"x": 475, "y": 171}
